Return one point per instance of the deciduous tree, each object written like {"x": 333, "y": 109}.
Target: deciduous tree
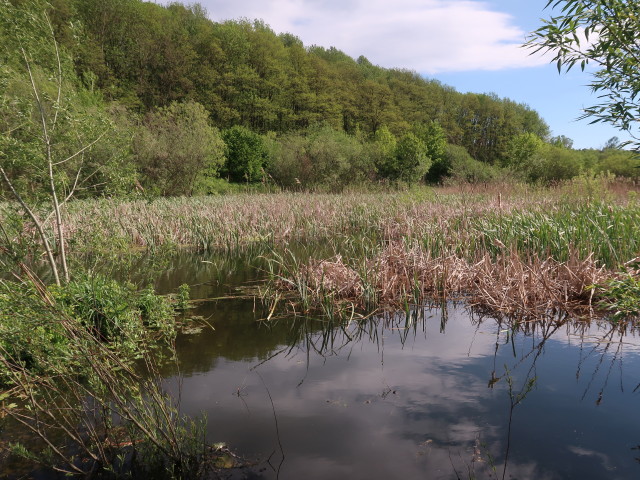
{"x": 604, "y": 34}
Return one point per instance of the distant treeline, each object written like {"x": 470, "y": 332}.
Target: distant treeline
{"x": 164, "y": 100}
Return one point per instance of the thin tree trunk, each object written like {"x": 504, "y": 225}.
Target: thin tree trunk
{"x": 52, "y": 186}
{"x": 39, "y": 227}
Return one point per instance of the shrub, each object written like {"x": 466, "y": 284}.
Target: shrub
{"x": 619, "y": 162}
{"x": 321, "y": 157}
{"x": 460, "y": 167}
{"x": 30, "y": 335}
{"x": 410, "y": 161}
{"x": 175, "y": 147}
{"x": 80, "y": 396}
{"x": 552, "y": 163}
{"x": 246, "y": 154}
{"x": 116, "y": 312}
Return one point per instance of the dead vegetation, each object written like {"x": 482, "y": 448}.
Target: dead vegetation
{"x": 507, "y": 285}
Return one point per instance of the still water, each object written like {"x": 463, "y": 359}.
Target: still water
{"x": 440, "y": 395}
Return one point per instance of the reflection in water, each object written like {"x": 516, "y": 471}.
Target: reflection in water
{"x": 421, "y": 397}
{"x": 436, "y": 395}
{"x": 399, "y": 397}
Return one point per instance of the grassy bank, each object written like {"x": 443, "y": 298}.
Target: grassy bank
{"x": 79, "y": 374}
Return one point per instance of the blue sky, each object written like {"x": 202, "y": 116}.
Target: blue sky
{"x": 471, "y": 45}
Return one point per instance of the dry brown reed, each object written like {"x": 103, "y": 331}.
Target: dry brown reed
{"x": 508, "y": 285}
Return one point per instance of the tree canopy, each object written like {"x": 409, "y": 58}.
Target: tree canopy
{"x": 602, "y": 33}
{"x": 174, "y": 101}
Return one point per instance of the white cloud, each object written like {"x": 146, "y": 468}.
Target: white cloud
{"x": 429, "y": 36}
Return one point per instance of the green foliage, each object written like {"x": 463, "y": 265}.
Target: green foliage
{"x": 37, "y": 91}
{"x": 602, "y": 33}
{"x": 382, "y": 149}
{"x": 561, "y": 141}
{"x": 246, "y": 154}
{"x": 30, "y": 335}
{"x": 336, "y": 158}
{"x": 76, "y": 391}
{"x": 172, "y": 67}
{"x": 619, "y": 162}
{"x": 176, "y": 148}
{"x": 146, "y": 55}
{"x": 533, "y": 160}
{"x": 433, "y": 136}
{"x": 182, "y": 297}
{"x": 321, "y": 156}
{"x": 521, "y": 149}
{"x": 621, "y": 296}
{"x": 552, "y": 163}
{"x": 410, "y": 161}
{"x": 115, "y": 312}
{"x": 459, "y": 167}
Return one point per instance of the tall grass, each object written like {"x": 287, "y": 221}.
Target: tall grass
{"x": 529, "y": 219}
{"x": 589, "y": 222}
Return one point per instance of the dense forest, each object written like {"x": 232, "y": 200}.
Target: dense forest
{"x": 130, "y": 97}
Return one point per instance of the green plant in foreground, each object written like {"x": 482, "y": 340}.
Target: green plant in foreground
{"x": 116, "y": 312}
{"x": 66, "y": 358}
{"x": 621, "y": 296}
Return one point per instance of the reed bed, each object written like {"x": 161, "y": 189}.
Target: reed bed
{"x": 524, "y": 249}
{"x": 528, "y": 257}
{"x": 399, "y": 278}
{"x": 544, "y": 221}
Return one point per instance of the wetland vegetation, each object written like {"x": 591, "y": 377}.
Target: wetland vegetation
{"x": 348, "y": 259}
{"x": 310, "y": 205}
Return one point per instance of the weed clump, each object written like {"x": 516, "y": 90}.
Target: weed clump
{"x": 116, "y": 314}
{"x": 79, "y": 371}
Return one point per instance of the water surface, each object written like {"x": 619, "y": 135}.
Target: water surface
{"x": 439, "y": 395}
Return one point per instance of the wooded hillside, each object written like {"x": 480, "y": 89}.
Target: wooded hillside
{"x": 160, "y": 78}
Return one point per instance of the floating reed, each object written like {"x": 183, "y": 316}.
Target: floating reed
{"x": 507, "y": 284}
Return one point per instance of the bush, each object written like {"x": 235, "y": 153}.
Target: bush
{"x": 460, "y": 167}
{"x": 619, "y": 162}
{"x": 246, "y": 154}
{"x": 322, "y": 157}
{"x": 553, "y": 163}
{"x": 72, "y": 390}
{"x": 30, "y": 332}
{"x": 116, "y": 312}
{"x": 410, "y": 161}
{"x": 176, "y": 147}
{"x": 30, "y": 335}
{"x": 435, "y": 140}
{"x": 289, "y": 164}
{"x": 336, "y": 158}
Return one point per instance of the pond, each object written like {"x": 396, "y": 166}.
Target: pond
{"x": 442, "y": 394}
{"x": 438, "y": 394}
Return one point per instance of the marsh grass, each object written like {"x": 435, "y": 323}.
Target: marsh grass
{"x": 588, "y": 225}
{"x": 545, "y": 258}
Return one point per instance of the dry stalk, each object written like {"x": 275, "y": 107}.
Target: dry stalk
{"x": 527, "y": 288}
